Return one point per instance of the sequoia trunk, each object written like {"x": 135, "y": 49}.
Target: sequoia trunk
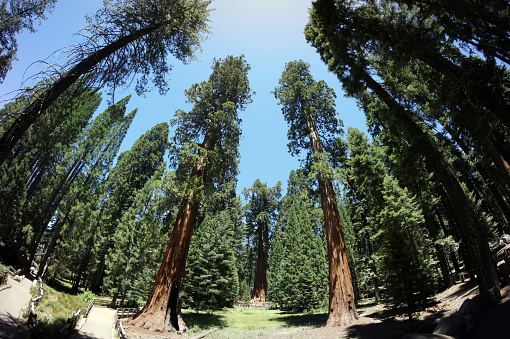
{"x": 260, "y": 286}
{"x": 342, "y": 310}
{"x": 162, "y": 311}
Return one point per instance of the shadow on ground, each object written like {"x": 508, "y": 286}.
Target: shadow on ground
{"x": 312, "y": 319}
{"x": 390, "y": 328}
{"x": 79, "y": 335}
{"x": 204, "y": 321}
{"x": 9, "y": 327}
{"x": 60, "y": 287}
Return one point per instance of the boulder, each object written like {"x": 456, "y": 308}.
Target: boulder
{"x": 413, "y": 335}
{"x": 457, "y": 327}
{"x": 488, "y": 300}
{"x": 471, "y": 307}
{"x": 18, "y": 278}
{"x": 449, "y": 326}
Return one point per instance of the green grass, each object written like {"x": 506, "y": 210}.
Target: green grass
{"x": 250, "y": 322}
{"x": 56, "y": 306}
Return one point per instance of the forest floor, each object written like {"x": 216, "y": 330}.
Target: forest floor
{"x": 375, "y": 321}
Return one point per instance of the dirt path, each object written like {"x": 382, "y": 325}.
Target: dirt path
{"x": 12, "y": 300}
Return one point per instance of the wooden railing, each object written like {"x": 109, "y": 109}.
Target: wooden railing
{"x": 70, "y": 325}
{"x": 124, "y": 312}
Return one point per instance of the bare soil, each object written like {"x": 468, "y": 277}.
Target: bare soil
{"x": 374, "y": 321}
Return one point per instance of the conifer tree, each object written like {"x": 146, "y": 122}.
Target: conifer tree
{"x": 344, "y": 50}
{"x": 77, "y": 158}
{"x": 363, "y": 176}
{"x": 308, "y": 108}
{"x": 124, "y": 40}
{"x": 206, "y": 164}
{"x": 261, "y": 213}
{"x": 32, "y": 170}
{"x": 406, "y": 261}
{"x": 211, "y": 275}
{"x": 298, "y": 271}
{"x": 134, "y": 168}
{"x": 86, "y": 190}
{"x": 138, "y": 240}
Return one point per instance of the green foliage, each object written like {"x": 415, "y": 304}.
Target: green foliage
{"x": 55, "y": 308}
{"x": 298, "y": 271}
{"x": 407, "y": 264}
{"x": 4, "y": 272}
{"x": 138, "y": 242}
{"x": 211, "y": 129}
{"x": 16, "y": 16}
{"x": 87, "y": 296}
{"x": 124, "y": 204}
{"x": 261, "y": 212}
{"x": 211, "y": 280}
{"x": 307, "y": 105}
{"x": 37, "y": 173}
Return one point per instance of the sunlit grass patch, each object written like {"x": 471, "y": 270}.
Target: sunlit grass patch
{"x": 251, "y": 322}
{"x": 56, "y": 307}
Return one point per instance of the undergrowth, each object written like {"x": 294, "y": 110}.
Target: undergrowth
{"x": 57, "y": 306}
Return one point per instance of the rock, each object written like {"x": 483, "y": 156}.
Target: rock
{"x": 469, "y": 323}
{"x": 470, "y": 306}
{"x": 480, "y": 304}
{"x": 425, "y": 336}
{"x": 456, "y": 327}
{"x": 18, "y": 278}
{"x": 488, "y": 300}
{"x": 449, "y": 326}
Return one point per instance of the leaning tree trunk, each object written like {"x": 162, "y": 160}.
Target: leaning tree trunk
{"x": 260, "y": 286}
{"x": 162, "y": 311}
{"x": 342, "y": 310}
{"x": 470, "y": 226}
{"x": 38, "y": 106}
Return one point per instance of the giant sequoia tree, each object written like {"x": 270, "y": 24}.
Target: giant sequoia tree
{"x": 308, "y": 108}
{"x": 260, "y": 215}
{"x": 343, "y": 47}
{"x": 208, "y": 137}
{"x": 125, "y": 39}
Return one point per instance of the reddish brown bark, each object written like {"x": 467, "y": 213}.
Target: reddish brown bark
{"x": 162, "y": 311}
{"x": 260, "y": 286}
{"x": 342, "y": 310}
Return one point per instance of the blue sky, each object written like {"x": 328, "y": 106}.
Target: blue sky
{"x": 268, "y": 32}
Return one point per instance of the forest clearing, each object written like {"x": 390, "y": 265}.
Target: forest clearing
{"x": 398, "y": 211}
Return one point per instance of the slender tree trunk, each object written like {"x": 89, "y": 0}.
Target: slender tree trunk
{"x": 342, "y": 310}
{"x": 51, "y": 246}
{"x": 48, "y": 96}
{"x": 472, "y": 229}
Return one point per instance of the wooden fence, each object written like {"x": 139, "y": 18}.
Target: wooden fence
{"x": 70, "y": 325}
